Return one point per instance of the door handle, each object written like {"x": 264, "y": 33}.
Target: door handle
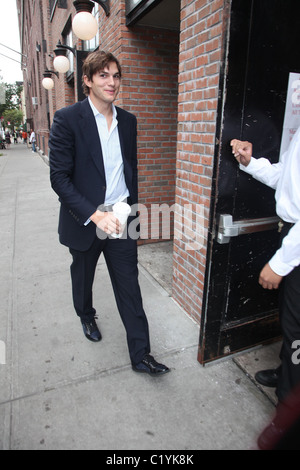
{"x": 227, "y": 228}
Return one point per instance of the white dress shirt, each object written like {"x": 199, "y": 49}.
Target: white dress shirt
{"x": 116, "y": 189}
{"x": 284, "y": 177}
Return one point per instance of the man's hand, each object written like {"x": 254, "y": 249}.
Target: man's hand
{"x": 242, "y": 151}
{"x": 268, "y": 279}
{"x": 106, "y": 221}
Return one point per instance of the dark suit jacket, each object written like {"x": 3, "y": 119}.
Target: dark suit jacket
{"x": 77, "y": 170}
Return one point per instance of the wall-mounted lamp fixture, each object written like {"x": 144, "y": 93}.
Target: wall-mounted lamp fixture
{"x": 61, "y": 62}
{"x": 47, "y": 82}
{"x": 84, "y": 24}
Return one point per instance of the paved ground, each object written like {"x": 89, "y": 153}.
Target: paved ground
{"x": 59, "y": 391}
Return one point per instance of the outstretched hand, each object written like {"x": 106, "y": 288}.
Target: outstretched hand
{"x": 242, "y": 150}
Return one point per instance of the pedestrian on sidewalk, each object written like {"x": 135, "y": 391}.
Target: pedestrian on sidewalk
{"x": 7, "y": 140}
{"x": 283, "y": 270}
{"x": 2, "y": 141}
{"x": 32, "y": 140}
{"x": 93, "y": 165}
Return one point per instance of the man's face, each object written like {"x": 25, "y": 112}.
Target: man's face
{"x": 105, "y": 85}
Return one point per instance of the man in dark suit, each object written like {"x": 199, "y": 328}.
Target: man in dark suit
{"x": 93, "y": 165}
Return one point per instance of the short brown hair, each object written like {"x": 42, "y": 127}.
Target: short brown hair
{"x": 96, "y": 62}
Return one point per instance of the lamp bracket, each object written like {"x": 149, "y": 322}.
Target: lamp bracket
{"x": 48, "y": 73}
{"x": 88, "y": 5}
{"x": 61, "y": 49}
{"x": 105, "y": 4}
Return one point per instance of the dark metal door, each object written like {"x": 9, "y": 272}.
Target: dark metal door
{"x": 238, "y": 313}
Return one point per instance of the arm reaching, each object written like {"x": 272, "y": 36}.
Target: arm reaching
{"x": 282, "y": 177}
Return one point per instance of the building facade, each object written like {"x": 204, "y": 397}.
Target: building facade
{"x": 175, "y": 56}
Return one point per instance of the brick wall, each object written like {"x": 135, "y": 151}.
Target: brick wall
{"x": 150, "y": 91}
{"x": 201, "y": 51}
{"x": 64, "y": 92}
{"x": 35, "y": 24}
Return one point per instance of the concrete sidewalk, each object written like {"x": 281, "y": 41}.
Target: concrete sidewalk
{"x": 60, "y": 391}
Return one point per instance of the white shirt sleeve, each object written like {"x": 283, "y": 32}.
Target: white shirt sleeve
{"x": 262, "y": 170}
{"x": 288, "y": 256}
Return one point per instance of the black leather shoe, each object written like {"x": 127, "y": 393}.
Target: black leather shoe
{"x": 91, "y": 330}
{"x": 149, "y": 366}
{"x": 268, "y": 378}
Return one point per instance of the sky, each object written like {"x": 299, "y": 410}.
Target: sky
{"x": 10, "y": 71}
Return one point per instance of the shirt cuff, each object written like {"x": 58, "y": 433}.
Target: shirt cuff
{"x": 280, "y": 268}
{"x": 253, "y": 165}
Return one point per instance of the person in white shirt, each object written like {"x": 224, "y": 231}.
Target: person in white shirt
{"x": 32, "y": 140}
{"x": 283, "y": 269}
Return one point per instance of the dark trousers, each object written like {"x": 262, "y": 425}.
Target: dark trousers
{"x": 289, "y": 377}
{"x": 121, "y": 260}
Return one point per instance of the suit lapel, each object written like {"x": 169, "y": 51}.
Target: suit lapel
{"x": 124, "y": 136}
{"x": 91, "y": 136}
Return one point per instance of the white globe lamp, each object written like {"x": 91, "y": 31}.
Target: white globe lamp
{"x": 48, "y": 83}
{"x": 85, "y": 25}
{"x": 61, "y": 63}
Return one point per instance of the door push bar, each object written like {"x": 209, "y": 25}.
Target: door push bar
{"x": 227, "y": 228}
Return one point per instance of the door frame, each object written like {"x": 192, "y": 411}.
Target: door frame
{"x": 270, "y": 330}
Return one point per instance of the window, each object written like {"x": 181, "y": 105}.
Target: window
{"x": 52, "y": 5}
{"x": 56, "y": 3}
{"x": 132, "y": 4}
{"x": 68, "y": 41}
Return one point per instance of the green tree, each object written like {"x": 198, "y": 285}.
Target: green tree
{"x": 14, "y": 117}
{"x": 12, "y": 97}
